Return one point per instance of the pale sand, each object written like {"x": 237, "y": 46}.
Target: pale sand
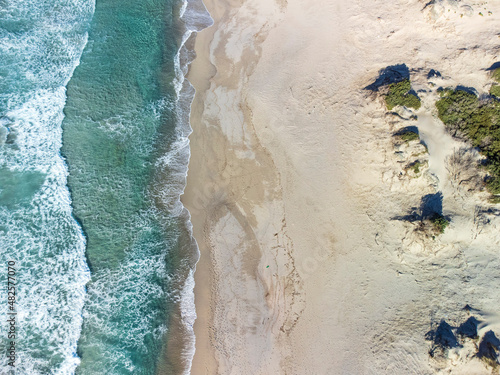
{"x": 294, "y": 181}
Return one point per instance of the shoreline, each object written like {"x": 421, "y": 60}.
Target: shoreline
{"x": 180, "y": 346}
{"x": 202, "y": 279}
{"x": 225, "y": 195}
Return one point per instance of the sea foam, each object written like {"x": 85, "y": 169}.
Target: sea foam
{"x": 196, "y": 18}
{"x": 40, "y": 49}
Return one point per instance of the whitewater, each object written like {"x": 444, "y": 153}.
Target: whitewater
{"x": 40, "y": 46}
{"x": 94, "y": 126}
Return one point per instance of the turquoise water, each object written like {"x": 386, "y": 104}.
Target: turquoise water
{"x": 121, "y": 137}
{"x": 102, "y": 243}
{"x": 40, "y": 45}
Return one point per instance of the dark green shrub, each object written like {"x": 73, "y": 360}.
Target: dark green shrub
{"x": 409, "y": 136}
{"x": 439, "y": 223}
{"x": 399, "y": 94}
{"x": 496, "y": 75}
{"x": 495, "y": 91}
{"x": 479, "y": 122}
{"x": 416, "y": 167}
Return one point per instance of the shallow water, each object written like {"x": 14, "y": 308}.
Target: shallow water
{"x": 121, "y": 120}
{"x": 118, "y": 124}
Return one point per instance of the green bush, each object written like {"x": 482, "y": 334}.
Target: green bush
{"x": 464, "y": 114}
{"x": 399, "y": 94}
{"x": 416, "y": 167}
{"x": 439, "y": 223}
{"x": 409, "y": 136}
{"x": 496, "y": 75}
{"x": 495, "y": 91}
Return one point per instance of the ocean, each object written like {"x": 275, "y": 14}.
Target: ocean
{"x": 94, "y": 126}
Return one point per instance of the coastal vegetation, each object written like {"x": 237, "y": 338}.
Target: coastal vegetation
{"x": 416, "y": 166}
{"x": 400, "y": 94}
{"x": 477, "y": 120}
{"x": 408, "y": 135}
{"x": 495, "y": 89}
{"x": 439, "y": 223}
{"x": 496, "y": 74}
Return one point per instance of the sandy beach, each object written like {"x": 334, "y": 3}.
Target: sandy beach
{"x": 295, "y": 186}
